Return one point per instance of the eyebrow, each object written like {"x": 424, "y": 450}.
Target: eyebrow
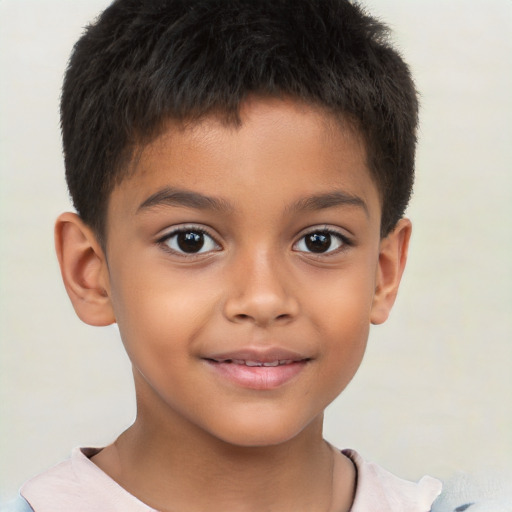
{"x": 329, "y": 200}
{"x": 177, "y": 197}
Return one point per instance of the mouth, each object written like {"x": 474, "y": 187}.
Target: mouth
{"x": 258, "y": 371}
{"x": 258, "y": 364}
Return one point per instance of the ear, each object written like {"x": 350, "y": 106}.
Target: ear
{"x": 84, "y": 270}
{"x": 392, "y": 259}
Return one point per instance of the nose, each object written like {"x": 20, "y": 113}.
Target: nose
{"x": 260, "y": 292}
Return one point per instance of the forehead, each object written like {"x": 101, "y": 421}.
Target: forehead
{"x": 279, "y": 149}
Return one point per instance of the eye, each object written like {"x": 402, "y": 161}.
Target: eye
{"x": 321, "y": 242}
{"x": 189, "y": 241}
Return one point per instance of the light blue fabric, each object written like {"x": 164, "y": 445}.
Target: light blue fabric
{"x": 17, "y": 505}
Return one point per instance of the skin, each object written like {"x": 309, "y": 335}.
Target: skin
{"x": 202, "y": 441}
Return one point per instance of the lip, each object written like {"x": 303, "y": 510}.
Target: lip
{"x": 263, "y": 354}
{"x": 259, "y": 369}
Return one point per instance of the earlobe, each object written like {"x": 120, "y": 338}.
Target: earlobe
{"x": 84, "y": 270}
{"x": 391, "y": 265}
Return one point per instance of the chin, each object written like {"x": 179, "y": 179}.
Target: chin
{"x": 261, "y": 433}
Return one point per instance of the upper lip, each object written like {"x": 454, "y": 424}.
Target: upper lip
{"x": 260, "y": 355}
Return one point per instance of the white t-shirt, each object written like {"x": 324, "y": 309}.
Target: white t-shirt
{"x": 78, "y": 485}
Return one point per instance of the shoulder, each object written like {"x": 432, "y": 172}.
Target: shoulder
{"x": 52, "y": 486}
{"x": 378, "y": 489}
{"x": 78, "y": 484}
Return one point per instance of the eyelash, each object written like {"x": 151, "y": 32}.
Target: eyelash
{"x": 190, "y": 229}
{"x": 344, "y": 241}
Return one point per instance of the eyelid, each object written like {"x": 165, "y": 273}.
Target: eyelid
{"x": 346, "y": 240}
{"x": 181, "y": 228}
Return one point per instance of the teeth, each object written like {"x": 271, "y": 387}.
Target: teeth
{"x": 253, "y": 364}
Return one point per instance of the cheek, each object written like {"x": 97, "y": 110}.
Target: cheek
{"x": 347, "y": 350}
{"x": 342, "y": 318}
{"x": 158, "y": 314}
{"x": 341, "y": 303}
{"x": 347, "y": 343}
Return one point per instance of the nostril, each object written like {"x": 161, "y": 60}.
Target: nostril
{"x": 261, "y": 309}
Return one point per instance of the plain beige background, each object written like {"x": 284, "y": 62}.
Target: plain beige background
{"x": 434, "y": 394}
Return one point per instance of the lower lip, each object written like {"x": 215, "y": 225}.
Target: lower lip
{"x": 258, "y": 377}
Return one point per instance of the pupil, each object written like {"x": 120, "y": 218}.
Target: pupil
{"x": 190, "y": 241}
{"x": 318, "y": 242}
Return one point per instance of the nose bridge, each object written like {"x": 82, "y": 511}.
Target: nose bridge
{"x": 261, "y": 290}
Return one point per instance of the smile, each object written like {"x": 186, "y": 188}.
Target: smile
{"x": 257, "y": 373}
{"x": 256, "y": 363}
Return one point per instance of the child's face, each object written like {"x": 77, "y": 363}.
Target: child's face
{"x": 232, "y": 247}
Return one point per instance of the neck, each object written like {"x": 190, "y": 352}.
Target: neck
{"x": 174, "y": 465}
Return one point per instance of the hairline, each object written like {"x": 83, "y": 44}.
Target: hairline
{"x": 129, "y": 157}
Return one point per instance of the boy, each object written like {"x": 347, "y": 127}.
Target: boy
{"x": 240, "y": 171}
